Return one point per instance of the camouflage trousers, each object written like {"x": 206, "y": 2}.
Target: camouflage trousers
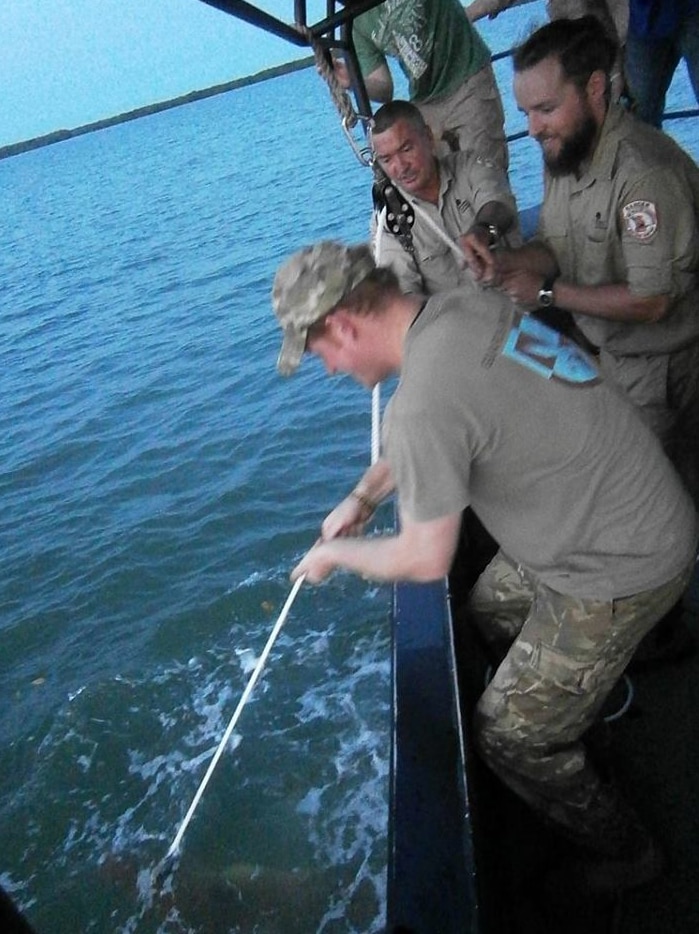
{"x": 566, "y": 656}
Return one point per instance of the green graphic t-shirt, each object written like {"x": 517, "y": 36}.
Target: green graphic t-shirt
{"x": 436, "y": 45}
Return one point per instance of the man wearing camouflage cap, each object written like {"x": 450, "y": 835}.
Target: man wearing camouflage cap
{"x": 308, "y": 288}
{"x": 597, "y": 536}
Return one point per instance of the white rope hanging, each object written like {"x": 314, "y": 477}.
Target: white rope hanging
{"x": 376, "y": 392}
{"x": 175, "y": 845}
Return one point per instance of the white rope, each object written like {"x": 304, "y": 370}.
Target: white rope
{"x": 378, "y": 235}
{"x": 376, "y": 392}
{"x": 440, "y": 232}
{"x": 375, "y": 423}
{"x": 175, "y": 845}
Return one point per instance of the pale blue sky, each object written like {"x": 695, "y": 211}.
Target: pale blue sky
{"x": 65, "y": 63}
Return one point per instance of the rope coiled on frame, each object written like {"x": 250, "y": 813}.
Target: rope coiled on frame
{"x": 324, "y": 67}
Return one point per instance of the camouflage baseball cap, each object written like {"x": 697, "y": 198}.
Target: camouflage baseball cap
{"x": 308, "y": 286}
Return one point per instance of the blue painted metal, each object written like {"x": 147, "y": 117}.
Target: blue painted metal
{"x": 431, "y": 885}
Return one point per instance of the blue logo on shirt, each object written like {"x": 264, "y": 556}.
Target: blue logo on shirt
{"x": 549, "y": 353}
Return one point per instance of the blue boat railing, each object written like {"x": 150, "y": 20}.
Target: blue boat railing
{"x": 431, "y": 874}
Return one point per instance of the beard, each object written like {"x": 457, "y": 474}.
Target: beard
{"x": 574, "y": 150}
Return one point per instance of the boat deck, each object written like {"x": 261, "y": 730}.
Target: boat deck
{"x": 653, "y": 753}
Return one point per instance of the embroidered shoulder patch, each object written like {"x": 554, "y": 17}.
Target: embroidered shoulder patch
{"x": 640, "y": 219}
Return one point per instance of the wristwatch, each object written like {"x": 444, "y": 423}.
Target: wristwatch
{"x": 545, "y": 296}
{"x": 492, "y": 230}
{"x": 493, "y": 236}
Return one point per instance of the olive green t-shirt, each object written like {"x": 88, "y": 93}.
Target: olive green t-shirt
{"x": 436, "y": 45}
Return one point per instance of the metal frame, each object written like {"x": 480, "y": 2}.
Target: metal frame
{"x": 324, "y": 31}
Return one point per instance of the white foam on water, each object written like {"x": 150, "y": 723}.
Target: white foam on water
{"x": 307, "y": 768}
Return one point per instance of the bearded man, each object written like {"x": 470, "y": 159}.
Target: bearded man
{"x": 618, "y": 242}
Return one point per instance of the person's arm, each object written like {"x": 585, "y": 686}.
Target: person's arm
{"x": 349, "y": 516}
{"x": 480, "y": 8}
{"x": 492, "y": 222}
{"x": 615, "y": 301}
{"x": 522, "y": 272}
{"x": 658, "y": 246}
{"x": 341, "y": 72}
{"x": 422, "y": 551}
{"x": 379, "y": 84}
{"x": 372, "y": 62}
{"x": 496, "y": 266}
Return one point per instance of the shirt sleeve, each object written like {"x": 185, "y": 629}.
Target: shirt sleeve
{"x": 658, "y": 234}
{"x": 430, "y": 465}
{"x": 431, "y": 433}
{"x": 369, "y": 55}
{"x": 489, "y": 183}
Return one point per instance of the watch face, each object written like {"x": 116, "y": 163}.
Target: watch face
{"x": 546, "y": 297}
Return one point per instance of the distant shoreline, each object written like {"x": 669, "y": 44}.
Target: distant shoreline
{"x": 14, "y": 149}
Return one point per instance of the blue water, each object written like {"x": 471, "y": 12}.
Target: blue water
{"x": 158, "y": 481}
